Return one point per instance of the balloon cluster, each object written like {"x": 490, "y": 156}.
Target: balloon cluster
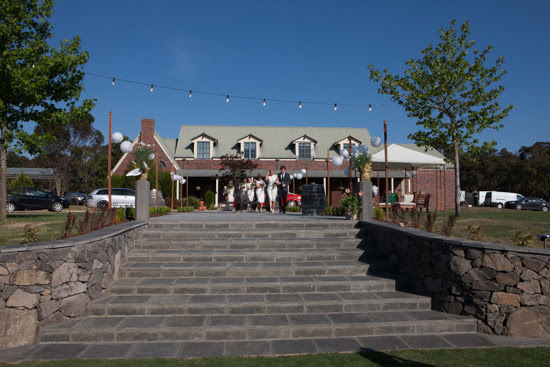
{"x": 299, "y": 175}
{"x": 357, "y": 154}
{"x": 177, "y": 178}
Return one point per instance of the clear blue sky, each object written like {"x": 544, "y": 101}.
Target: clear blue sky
{"x": 294, "y": 50}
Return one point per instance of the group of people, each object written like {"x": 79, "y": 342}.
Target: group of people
{"x": 254, "y": 191}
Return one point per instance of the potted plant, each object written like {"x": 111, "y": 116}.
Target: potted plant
{"x": 352, "y": 203}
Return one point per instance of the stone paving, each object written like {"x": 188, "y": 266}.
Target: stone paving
{"x": 333, "y": 305}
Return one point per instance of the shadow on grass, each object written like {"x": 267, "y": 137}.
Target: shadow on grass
{"x": 386, "y": 360}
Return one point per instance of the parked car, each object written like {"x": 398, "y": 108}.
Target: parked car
{"x": 74, "y": 198}
{"x": 120, "y": 197}
{"x": 529, "y": 203}
{"x": 293, "y": 199}
{"x": 28, "y": 198}
{"x": 499, "y": 198}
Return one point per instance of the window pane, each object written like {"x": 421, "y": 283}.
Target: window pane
{"x": 250, "y": 150}
{"x": 203, "y": 150}
{"x": 304, "y": 150}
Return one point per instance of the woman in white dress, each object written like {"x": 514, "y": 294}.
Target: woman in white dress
{"x": 260, "y": 194}
{"x": 250, "y": 192}
{"x": 271, "y": 179}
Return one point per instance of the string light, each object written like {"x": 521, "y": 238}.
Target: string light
{"x": 263, "y": 100}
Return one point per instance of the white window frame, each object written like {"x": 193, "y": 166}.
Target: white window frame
{"x": 304, "y": 139}
{"x": 250, "y": 139}
{"x": 196, "y": 146}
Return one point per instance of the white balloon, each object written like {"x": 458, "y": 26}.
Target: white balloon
{"x": 337, "y": 161}
{"x": 291, "y": 177}
{"x": 152, "y": 156}
{"x": 126, "y": 146}
{"x": 298, "y": 176}
{"x": 376, "y": 141}
{"x": 344, "y": 153}
{"x": 183, "y": 180}
{"x": 116, "y": 137}
{"x": 303, "y": 171}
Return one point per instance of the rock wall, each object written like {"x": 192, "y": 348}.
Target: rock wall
{"x": 51, "y": 282}
{"x": 506, "y": 288}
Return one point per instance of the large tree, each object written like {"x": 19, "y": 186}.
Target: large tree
{"x": 451, "y": 93}
{"x": 38, "y": 82}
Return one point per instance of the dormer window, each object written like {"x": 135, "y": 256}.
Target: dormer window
{"x": 344, "y": 143}
{"x": 250, "y": 146}
{"x": 203, "y": 146}
{"x": 305, "y": 147}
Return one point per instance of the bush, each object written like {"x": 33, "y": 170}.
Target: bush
{"x": 193, "y": 201}
{"x": 22, "y": 180}
{"x": 378, "y": 213}
{"x": 209, "y": 198}
{"x": 474, "y": 233}
{"x": 158, "y": 211}
{"x": 185, "y": 209}
{"x": 293, "y": 208}
{"x": 30, "y": 233}
{"x": 523, "y": 239}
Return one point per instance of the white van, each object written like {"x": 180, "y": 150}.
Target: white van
{"x": 498, "y": 198}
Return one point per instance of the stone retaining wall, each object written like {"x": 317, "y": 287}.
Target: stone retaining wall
{"x": 506, "y": 288}
{"x": 51, "y": 282}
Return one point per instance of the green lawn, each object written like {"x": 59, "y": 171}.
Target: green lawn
{"x": 496, "y": 357}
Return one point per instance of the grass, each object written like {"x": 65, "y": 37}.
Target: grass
{"x": 493, "y": 357}
{"x": 497, "y": 225}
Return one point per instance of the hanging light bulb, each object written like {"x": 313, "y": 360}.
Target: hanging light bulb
{"x": 227, "y": 98}
{"x": 190, "y": 93}
{"x": 264, "y": 103}
{"x": 300, "y": 104}
{"x": 113, "y": 83}
{"x": 152, "y": 87}
{"x": 335, "y": 107}
{"x": 370, "y": 108}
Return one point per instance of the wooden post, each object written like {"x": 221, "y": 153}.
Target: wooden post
{"x": 349, "y": 155}
{"x": 386, "y": 167}
{"x": 328, "y": 178}
{"x": 156, "y": 177}
{"x": 172, "y": 196}
{"x": 109, "y": 149}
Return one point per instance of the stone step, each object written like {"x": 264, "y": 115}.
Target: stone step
{"x": 264, "y": 255}
{"x": 252, "y": 269}
{"x": 240, "y": 304}
{"x": 257, "y": 234}
{"x": 240, "y": 285}
{"x": 254, "y": 327}
{"x": 250, "y": 244}
{"x": 291, "y": 224}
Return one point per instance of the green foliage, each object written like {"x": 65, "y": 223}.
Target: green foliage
{"x": 352, "y": 203}
{"x": 474, "y": 233}
{"x": 295, "y": 209}
{"x": 165, "y": 182}
{"x": 38, "y": 83}
{"x": 378, "y": 214}
{"x": 451, "y": 93}
{"x": 185, "y": 209}
{"x": 30, "y": 233}
{"x": 158, "y": 211}
{"x": 521, "y": 238}
{"x": 209, "y": 198}
{"x": 193, "y": 202}
{"x": 235, "y": 169}
{"x": 122, "y": 181}
{"x": 22, "y": 181}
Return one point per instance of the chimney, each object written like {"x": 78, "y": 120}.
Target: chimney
{"x": 147, "y": 130}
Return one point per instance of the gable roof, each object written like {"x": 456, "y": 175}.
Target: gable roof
{"x": 277, "y": 140}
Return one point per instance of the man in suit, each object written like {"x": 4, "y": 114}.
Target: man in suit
{"x": 282, "y": 189}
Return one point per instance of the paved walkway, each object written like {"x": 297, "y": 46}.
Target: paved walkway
{"x": 45, "y": 351}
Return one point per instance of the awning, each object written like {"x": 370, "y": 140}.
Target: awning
{"x": 311, "y": 173}
{"x": 400, "y": 157}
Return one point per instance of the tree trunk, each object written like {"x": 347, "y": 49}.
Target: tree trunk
{"x": 3, "y": 178}
{"x": 457, "y": 179}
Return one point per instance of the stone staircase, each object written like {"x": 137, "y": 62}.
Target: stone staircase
{"x": 266, "y": 286}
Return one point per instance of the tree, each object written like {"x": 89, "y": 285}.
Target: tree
{"x": 72, "y": 145}
{"x": 37, "y": 81}
{"x": 235, "y": 169}
{"x": 451, "y": 93}
{"x": 22, "y": 180}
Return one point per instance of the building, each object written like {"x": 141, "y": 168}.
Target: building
{"x": 195, "y": 154}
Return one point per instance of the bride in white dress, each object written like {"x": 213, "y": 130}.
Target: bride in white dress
{"x": 271, "y": 179}
{"x": 260, "y": 194}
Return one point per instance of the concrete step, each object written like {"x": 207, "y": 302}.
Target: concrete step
{"x": 290, "y": 224}
{"x": 250, "y": 244}
{"x": 251, "y": 269}
{"x": 254, "y": 285}
{"x": 264, "y": 255}
{"x": 239, "y": 304}
{"x": 254, "y": 327}
{"x": 257, "y": 234}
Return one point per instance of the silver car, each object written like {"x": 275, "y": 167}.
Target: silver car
{"x": 120, "y": 197}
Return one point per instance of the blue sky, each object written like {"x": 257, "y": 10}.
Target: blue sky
{"x": 316, "y": 51}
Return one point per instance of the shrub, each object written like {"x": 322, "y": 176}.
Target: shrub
{"x": 474, "y": 233}
{"x": 158, "y": 211}
{"x": 209, "y": 198}
{"x": 328, "y": 210}
{"x": 185, "y": 209}
{"x": 294, "y": 208}
{"x": 378, "y": 214}
{"x": 448, "y": 225}
{"x": 523, "y": 239}
{"x": 430, "y": 221}
{"x": 22, "y": 180}
{"x": 193, "y": 201}
{"x": 339, "y": 211}
{"x": 30, "y": 233}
